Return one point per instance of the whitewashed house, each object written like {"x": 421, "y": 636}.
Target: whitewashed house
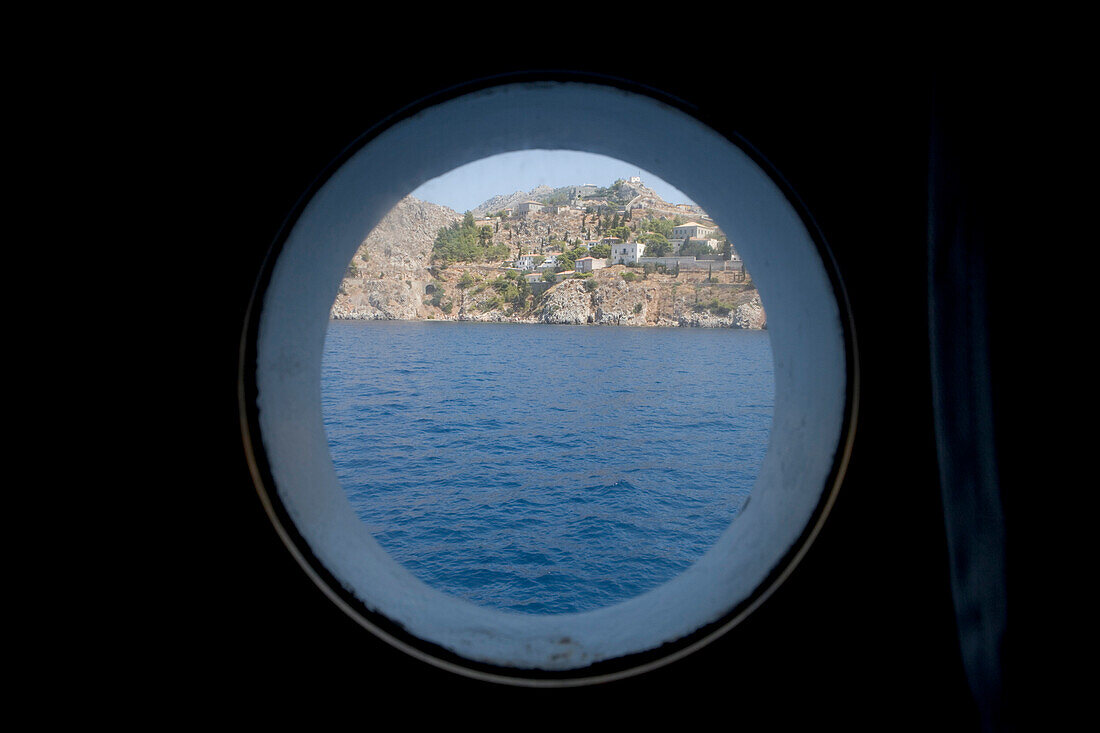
{"x": 550, "y": 261}
{"x": 588, "y": 264}
{"x": 527, "y": 262}
{"x": 626, "y": 253}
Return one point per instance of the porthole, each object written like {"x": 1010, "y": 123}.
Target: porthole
{"x": 811, "y": 338}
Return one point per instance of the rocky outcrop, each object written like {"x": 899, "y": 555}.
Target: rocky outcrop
{"x": 389, "y": 274}
{"x": 750, "y": 314}
{"x": 619, "y": 303}
{"x": 510, "y": 201}
{"x": 746, "y": 312}
{"x": 614, "y": 302}
{"x": 379, "y": 300}
{"x": 609, "y": 300}
{"x": 566, "y": 303}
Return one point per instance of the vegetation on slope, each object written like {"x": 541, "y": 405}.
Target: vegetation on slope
{"x": 465, "y": 241}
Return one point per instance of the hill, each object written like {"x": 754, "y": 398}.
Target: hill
{"x": 394, "y": 276}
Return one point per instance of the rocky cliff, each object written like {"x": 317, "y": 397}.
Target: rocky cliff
{"x": 658, "y": 300}
{"x": 389, "y": 274}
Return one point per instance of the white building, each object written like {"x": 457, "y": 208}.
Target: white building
{"x": 691, "y": 230}
{"x": 528, "y": 207}
{"x": 588, "y": 264}
{"x": 527, "y": 262}
{"x": 626, "y": 253}
{"x": 550, "y": 261}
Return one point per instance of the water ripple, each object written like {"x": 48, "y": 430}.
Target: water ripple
{"x": 545, "y": 469}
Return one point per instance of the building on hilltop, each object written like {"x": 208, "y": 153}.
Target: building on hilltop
{"x": 529, "y": 207}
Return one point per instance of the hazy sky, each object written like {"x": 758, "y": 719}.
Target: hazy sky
{"x": 470, "y": 185}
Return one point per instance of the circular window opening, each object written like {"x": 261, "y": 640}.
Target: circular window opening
{"x": 814, "y": 385}
{"x": 500, "y": 449}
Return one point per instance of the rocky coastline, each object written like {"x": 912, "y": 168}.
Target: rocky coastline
{"x": 392, "y": 277}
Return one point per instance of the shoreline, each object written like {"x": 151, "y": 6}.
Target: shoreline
{"x": 537, "y": 322}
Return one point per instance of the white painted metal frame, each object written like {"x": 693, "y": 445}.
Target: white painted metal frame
{"x": 813, "y": 407}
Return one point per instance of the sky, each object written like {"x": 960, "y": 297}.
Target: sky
{"x": 469, "y": 186}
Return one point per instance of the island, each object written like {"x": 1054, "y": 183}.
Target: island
{"x": 584, "y": 254}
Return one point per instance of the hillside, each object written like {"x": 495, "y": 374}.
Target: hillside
{"x": 393, "y": 276}
{"x": 389, "y": 273}
{"x": 621, "y": 194}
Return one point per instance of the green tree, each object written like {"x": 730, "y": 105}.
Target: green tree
{"x": 576, "y": 253}
{"x": 660, "y": 226}
{"x": 621, "y": 232}
{"x": 656, "y": 244}
{"x": 600, "y": 251}
{"x": 466, "y": 242}
{"x": 697, "y": 249}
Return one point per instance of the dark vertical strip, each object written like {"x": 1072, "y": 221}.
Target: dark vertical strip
{"x": 959, "y": 269}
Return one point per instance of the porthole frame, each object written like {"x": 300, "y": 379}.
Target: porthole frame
{"x": 394, "y": 630}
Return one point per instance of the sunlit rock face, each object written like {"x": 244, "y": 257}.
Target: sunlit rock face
{"x": 389, "y": 274}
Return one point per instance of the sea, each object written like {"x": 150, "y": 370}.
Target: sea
{"x": 545, "y": 469}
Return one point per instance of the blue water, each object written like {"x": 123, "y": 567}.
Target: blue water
{"x": 545, "y": 469}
